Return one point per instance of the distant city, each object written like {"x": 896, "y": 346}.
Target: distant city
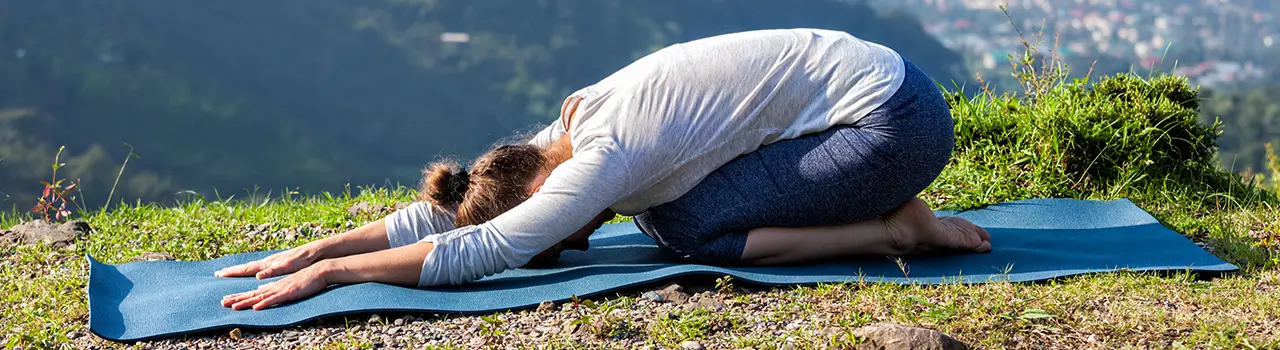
{"x": 1215, "y": 42}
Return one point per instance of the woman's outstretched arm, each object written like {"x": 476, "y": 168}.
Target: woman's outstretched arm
{"x": 367, "y": 238}
{"x": 402, "y": 227}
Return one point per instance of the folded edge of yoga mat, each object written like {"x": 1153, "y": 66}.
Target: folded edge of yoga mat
{"x": 1033, "y": 240}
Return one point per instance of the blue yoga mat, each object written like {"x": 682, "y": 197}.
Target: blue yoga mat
{"x": 1032, "y": 240}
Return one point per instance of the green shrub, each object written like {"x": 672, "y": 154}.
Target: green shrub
{"x": 1122, "y": 136}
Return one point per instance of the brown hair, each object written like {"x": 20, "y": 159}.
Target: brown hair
{"x": 497, "y": 181}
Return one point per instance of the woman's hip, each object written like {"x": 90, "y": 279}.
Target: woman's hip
{"x": 842, "y": 175}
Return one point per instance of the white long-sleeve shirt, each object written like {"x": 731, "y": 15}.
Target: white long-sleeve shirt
{"x": 651, "y": 131}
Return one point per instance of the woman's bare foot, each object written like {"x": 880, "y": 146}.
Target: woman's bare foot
{"x": 915, "y": 230}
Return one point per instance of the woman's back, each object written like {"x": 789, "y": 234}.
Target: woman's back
{"x": 684, "y": 110}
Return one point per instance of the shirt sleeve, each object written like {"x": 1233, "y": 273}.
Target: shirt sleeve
{"x": 572, "y": 195}
{"x": 417, "y": 221}
{"x": 548, "y": 135}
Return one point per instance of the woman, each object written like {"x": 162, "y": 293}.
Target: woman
{"x": 750, "y": 148}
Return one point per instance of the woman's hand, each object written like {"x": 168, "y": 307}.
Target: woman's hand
{"x": 398, "y": 266}
{"x": 277, "y": 264}
{"x": 305, "y": 283}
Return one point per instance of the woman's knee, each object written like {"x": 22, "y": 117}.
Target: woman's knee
{"x": 691, "y": 239}
{"x": 722, "y": 249}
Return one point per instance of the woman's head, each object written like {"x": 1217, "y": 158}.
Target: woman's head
{"x": 498, "y": 181}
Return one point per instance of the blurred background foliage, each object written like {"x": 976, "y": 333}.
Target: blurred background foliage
{"x": 223, "y": 97}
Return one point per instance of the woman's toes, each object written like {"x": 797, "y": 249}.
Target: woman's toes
{"x": 964, "y": 235}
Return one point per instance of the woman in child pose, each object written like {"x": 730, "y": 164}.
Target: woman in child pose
{"x": 751, "y": 148}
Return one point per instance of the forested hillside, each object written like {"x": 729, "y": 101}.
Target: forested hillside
{"x": 233, "y": 95}
{"x": 1250, "y": 119}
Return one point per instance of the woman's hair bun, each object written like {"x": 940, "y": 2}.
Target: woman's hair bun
{"x": 445, "y": 183}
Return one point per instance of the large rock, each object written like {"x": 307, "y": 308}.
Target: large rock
{"x": 890, "y": 336}
{"x": 43, "y": 232}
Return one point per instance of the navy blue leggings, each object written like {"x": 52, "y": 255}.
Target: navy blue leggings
{"x": 843, "y": 175}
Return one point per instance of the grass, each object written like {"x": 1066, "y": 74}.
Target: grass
{"x": 1122, "y": 136}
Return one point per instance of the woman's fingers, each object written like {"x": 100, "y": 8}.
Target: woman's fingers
{"x": 240, "y": 270}
{"x": 277, "y": 264}
{"x": 265, "y": 296}
{"x": 266, "y": 273}
{"x": 257, "y": 296}
{"x": 232, "y": 299}
{"x": 277, "y": 268}
{"x": 229, "y": 300}
{"x": 298, "y": 285}
{"x": 273, "y": 299}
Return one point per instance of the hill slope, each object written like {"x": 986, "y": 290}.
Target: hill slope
{"x": 236, "y": 95}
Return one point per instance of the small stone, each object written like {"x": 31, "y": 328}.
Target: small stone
{"x": 399, "y": 321}
{"x": 375, "y": 319}
{"x": 794, "y": 324}
{"x": 263, "y": 228}
{"x": 706, "y": 302}
{"x": 890, "y": 336}
{"x": 236, "y": 334}
{"x": 691, "y": 345}
{"x": 569, "y": 328}
{"x": 152, "y": 256}
{"x": 674, "y": 293}
{"x": 546, "y": 305}
{"x": 367, "y": 208}
{"x": 358, "y": 208}
{"x": 654, "y": 296}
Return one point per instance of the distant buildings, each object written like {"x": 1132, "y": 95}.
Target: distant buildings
{"x": 1211, "y": 41}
